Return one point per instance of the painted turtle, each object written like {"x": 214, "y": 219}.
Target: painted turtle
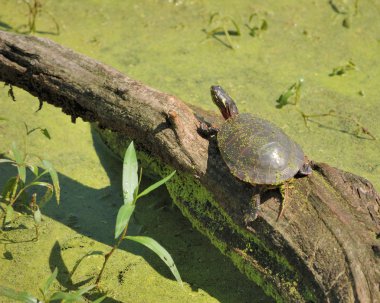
{"x": 255, "y": 150}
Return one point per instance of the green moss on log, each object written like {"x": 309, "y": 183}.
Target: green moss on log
{"x": 268, "y": 269}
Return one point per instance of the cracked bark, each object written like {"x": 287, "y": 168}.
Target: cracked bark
{"x": 328, "y": 237}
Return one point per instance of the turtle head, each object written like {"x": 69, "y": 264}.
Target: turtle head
{"x": 224, "y": 102}
{"x": 305, "y": 169}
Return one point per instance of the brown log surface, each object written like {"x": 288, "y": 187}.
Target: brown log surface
{"x": 330, "y": 231}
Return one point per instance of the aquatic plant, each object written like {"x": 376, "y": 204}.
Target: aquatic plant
{"x": 343, "y": 69}
{"x": 219, "y": 25}
{"x": 345, "y": 9}
{"x": 15, "y": 189}
{"x": 35, "y": 9}
{"x": 46, "y": 294}
{"x": 256, "y": 25}
{"x": 292, "y": 96}
{"x": 131, "y": 184}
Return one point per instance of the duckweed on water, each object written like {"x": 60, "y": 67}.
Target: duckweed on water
{"x": 292, "y": 96}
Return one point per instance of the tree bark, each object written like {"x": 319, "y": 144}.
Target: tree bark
{"x": 325, "y": 247}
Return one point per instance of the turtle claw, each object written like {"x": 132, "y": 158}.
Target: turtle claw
{"x": 284, "y": 190}
{"x": 254, "y": 209}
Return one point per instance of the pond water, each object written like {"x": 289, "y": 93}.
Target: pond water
{"x": 165, "y": 45}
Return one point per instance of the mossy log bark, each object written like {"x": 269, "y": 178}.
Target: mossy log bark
{"x": 325, "y": 248}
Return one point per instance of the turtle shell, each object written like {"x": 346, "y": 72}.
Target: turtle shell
{"x": 257, "y": 151}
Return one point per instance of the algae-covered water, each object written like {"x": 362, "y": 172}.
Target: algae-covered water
{"x": 165, "y": 45}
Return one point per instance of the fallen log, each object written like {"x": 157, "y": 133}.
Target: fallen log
{"x": 325, "y": 248}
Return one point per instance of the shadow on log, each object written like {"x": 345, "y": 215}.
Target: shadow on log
{"x": 325, "y": 248}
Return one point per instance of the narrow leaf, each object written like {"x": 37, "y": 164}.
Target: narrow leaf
{"x": 130, "y": 177}
{"x": 33, "y": 169}
{"x": 155, "y": 185}
{"x": 6, "y": 161}
{"x": 17, "y": 295}
{"x": 154, "y": 246}
{"x": 49, "y": 281}
{"x": 101, "y": 299}
{"x": 19, "y": 158}
{"x": 9, "y": 214}
{"x": 72, "y": 297}
{"x": 47, "y": 196}
{"x": 54, "y": 177}
{"x": 67, "y": 297}
{"x": 122, "y": 218}
{"x": 83, "y": 290}
{"x": 8, "y": 188}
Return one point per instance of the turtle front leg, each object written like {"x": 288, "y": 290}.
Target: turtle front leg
{"x": 207, "y": 130}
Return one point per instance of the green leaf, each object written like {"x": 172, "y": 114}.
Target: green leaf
{"x": 37, "y": 216}
{"x": 47, "y": 196}
{"x": 33, "y": 169}
{"x": 19, "y": 158}
{"x": 54, "y": 177}
{"x": 71, "y": 297}
{"x": 17, "y": 295}
{"x": 67, "y": 297}
{"x": 45, "y": 132}
{"x": 155, "y": 185}
{"x": 130, "y": 176}
{"x": 6, "y": 161}
{"x": 83, "y": 290}
{"x": 8, "y": 188}
{"x": 101, "y": 299}
{"x": 122, "y": 218}
{"x": 9, "y": 214}
{"x": 154, "y": 246}
{"x": 45, "y": 288}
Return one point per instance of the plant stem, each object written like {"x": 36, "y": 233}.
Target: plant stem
{"x": 108, "y": 255}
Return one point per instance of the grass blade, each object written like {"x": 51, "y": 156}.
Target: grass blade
{"x": 130, "y": 176}
{"x": 54, "y": 177}
{"x": 155, "y": 185}
{"x": 17, "y": 295}
{"x": 123, "y": 217}
{"x": 156, "y": 247}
